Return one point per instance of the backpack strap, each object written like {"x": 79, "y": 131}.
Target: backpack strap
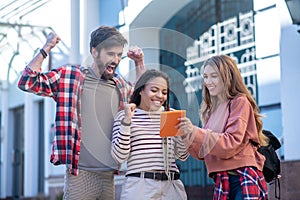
{"x": 277, "y": 185}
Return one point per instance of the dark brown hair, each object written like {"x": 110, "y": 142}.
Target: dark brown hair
{"x": 142, "y": 82}
{"x": 105, "y": 37}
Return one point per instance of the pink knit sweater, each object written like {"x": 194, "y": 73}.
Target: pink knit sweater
{"x": 224, "y": 141}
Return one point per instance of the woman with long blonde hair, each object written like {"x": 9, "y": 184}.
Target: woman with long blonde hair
{"x": 231, "y": 124}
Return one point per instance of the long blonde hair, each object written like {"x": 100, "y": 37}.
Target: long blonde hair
{"x": 234, "y": 86}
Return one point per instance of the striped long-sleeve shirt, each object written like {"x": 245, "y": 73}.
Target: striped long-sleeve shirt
{"x": 141, "y": 145}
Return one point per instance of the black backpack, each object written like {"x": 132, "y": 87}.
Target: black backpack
{"x": 271, "y": 169}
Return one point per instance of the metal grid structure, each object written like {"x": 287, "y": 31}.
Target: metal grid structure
{"x": 19, "y": 40}
{"x": 15, "y": 10}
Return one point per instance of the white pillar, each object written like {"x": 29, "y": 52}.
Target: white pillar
{"x": 290, "y": 94}
{"x": 30, "y": 146}
{"x": 91, "y": 21}
{"x": 75, "y": 32}
{"x": 48, "y": 120}
{"x": 4, "y": 139}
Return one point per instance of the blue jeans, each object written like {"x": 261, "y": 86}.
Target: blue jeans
{"x": 235, "y": 187}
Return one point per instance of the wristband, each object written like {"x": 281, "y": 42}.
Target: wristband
{"x": 43, "y": 52}
{"x": 124, "y": 123}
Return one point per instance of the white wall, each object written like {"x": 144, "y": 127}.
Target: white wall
{"x": 267, "y": 40}
{"x": 290, "y": 92}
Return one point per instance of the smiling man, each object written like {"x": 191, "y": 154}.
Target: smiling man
{"x": 87, "y": 98}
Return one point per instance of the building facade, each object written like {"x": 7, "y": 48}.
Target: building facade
{"x": 176, "y": 36}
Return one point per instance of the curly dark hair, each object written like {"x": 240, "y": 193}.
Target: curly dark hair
{"x": 142, "y": 82}
{"x": 105, "y": 37}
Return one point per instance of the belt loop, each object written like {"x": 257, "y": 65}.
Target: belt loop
{"x": 173, "y": 175}
{"x": 142, "y": 175}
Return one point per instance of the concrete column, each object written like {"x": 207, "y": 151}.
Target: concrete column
{"x": 49, "y": 107}
{"x": 91, "y": 20}
{"x": 4, "y": 139}
{"x": 290, "y": 94}
{"x": 30, "y": 146}
{"x": 75, "y": 32}
{"x": 29, "y": 155}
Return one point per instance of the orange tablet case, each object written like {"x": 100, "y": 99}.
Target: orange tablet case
{"x": 168, "y": 121}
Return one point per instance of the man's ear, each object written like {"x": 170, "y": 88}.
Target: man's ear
{"x": 94, "y": 52}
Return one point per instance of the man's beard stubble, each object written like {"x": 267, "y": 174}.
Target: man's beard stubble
{"x": 102, "y": 70}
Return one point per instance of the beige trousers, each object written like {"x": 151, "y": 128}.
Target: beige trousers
{"x": 135, "y": 188}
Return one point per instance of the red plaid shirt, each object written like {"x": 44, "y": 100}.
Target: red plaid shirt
{"x": 64, "y": 85}
{"x": 252, "y": 181}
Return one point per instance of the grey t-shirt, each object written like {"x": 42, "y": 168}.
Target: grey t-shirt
{"x": 100, "y": 102}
